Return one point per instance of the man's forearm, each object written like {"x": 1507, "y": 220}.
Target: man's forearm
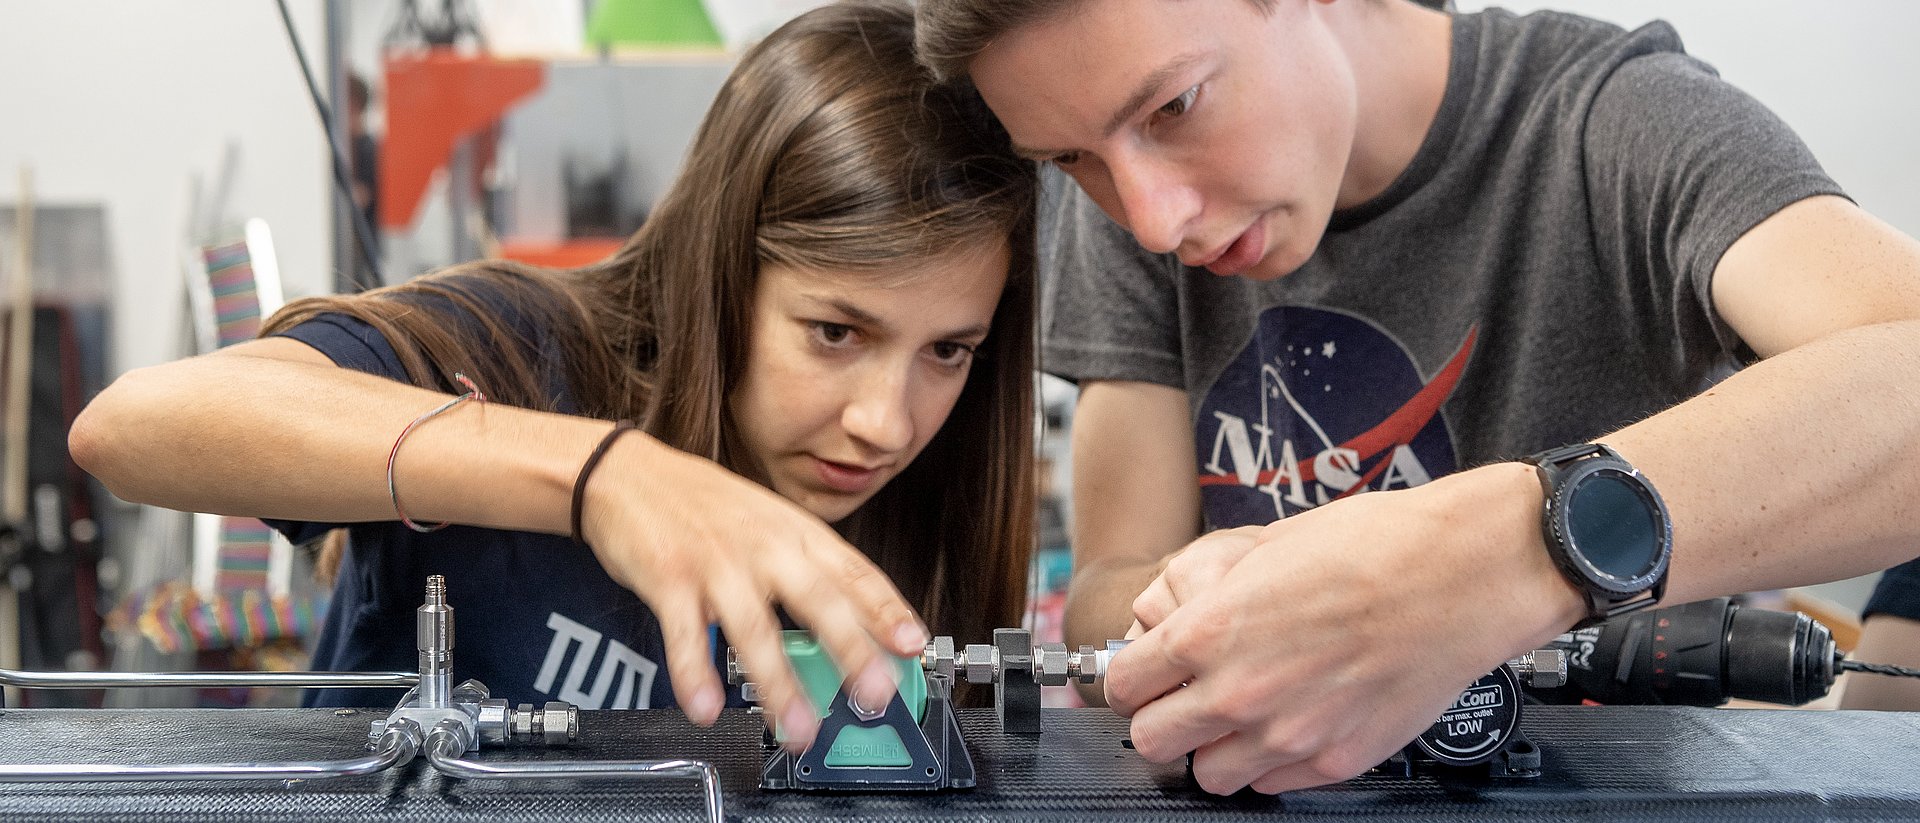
{"x": 1798, "y": 469}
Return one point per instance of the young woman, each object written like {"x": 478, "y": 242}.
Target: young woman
{"x": 828, "y": 318}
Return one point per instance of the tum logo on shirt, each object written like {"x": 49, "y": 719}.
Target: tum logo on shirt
{"x": 1318, "y": 406}
{"x": 632, "y": 672}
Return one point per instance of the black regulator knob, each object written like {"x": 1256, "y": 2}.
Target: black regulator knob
{"x": 1481, "y": 720}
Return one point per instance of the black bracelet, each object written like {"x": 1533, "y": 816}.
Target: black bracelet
{"x": 580, "y": 483}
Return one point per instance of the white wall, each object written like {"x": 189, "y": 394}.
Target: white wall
{"x": 1843, "y": 73}
{"x": 119, "y": 103}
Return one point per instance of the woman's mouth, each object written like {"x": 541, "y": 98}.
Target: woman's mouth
{"x": 847, "y": 478}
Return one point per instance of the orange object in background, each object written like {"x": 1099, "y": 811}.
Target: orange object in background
{"x": 434, "y": 101}
{"x": 567, "y": 254}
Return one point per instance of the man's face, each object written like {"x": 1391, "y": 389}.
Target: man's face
{"x": 1205, "y": 127}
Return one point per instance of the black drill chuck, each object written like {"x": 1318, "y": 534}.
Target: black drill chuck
{"x": 1699, "y": 654}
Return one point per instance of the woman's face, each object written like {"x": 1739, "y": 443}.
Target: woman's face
{"x": 850, "y": 374}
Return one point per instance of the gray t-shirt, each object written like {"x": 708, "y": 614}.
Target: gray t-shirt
{"x": 1538, "y": 276}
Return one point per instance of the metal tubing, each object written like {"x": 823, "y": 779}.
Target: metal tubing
{"x": 444, "y": 750}
{"x": 397, "y": 746}
{"x": 290, "y": 680}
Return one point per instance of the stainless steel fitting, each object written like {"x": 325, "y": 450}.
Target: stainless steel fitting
{"x": 736, "y": 673}
{"x": 552, "y": 724}
{"x": 939, "y": 656}
{"x": 1051, "y": 664}
{"x": 433, "y": 637}
{"x": 1541, "y": 668}
{"x": 982, "y": 663}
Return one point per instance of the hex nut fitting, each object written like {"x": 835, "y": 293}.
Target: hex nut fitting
{"x": 1086, "y": 667}
{"x": 982, "y": 662}
{"x": 560, "y": 723}
{"x": 1050, "y": 664}
{"x": 495, "y": 721}
{"x": 939, "y": 657}
{"x": 1547, "y": 669}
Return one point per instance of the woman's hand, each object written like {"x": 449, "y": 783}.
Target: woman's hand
{"x": 701, "y": 545}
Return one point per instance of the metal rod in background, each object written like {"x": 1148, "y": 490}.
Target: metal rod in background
{"x": 445, "y": 750}
{"x": 343, "y": 184}
{"x": 340, "y": 104}
{"x": 285, "y": 680}
{"x": 19, "y": 393}
{"x": 397, "y": 746}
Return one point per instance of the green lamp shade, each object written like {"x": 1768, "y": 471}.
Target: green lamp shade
{"x": 650, "y": 23}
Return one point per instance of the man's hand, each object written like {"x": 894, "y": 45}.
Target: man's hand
{"x": 1193, "y": 570}
{"x": 1340, "y": 633}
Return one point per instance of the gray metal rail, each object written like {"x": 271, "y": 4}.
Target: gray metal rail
{"x": 288, "y": 680}
{"x": 396, "y": 747}
{"x": 446, "y": 750}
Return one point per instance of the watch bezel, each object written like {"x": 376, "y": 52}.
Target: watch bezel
{"x": 1574, "y": 557}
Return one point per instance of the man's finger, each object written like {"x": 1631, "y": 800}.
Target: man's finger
{"x": 1247, "y": 754}
{"x": 1183, "y": 719}
{"x": 1143, "y": 672}
{"x": 1155, "y": 603}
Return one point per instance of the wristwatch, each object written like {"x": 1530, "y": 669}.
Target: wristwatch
{"x": 1606, "y": 528}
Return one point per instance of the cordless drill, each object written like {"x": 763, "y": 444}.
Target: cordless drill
{"x": 1701, "y": 654}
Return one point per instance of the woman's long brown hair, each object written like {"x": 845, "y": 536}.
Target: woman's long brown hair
{"x": 829, "y": 149}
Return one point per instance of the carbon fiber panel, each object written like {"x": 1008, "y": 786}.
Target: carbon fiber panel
{"x": 1600, "y": 763}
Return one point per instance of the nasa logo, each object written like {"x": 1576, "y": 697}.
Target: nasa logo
{"x": 1320, "y": 405}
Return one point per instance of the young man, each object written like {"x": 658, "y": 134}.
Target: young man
{"x": 1319, "y": 247}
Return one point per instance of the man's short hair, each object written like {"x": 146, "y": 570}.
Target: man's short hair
{"x": 948, "y": 34}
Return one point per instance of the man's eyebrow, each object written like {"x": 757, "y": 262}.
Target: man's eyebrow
{"x": 1025, "y": 153}
{"x": 1149, "y": 88}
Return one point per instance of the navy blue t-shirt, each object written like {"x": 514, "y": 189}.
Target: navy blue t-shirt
{"x": 536, "y": 617}
{"x": 1898, "y": 593}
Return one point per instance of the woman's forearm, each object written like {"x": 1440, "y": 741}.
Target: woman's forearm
{"x": 273, "y": 429}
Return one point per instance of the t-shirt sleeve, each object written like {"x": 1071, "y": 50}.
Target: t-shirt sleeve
{"x": 1109, "y": 309}
{"x": 351, "y": 343}
{"x": 1680, "y": 164}
{"x": 1897, "y": 594}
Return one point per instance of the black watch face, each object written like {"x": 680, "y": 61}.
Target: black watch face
{"x": 1615, "y": 526}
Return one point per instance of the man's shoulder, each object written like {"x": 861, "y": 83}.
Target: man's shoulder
{"x": 1569, "y": 36}
{"x": 1552, "y": 51}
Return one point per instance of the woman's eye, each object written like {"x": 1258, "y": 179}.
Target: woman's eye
{"x": 832, "y": 334}
{"x": 1065, "y": 158}
{"x": 952, "y": 354}
{"x": 1179, "y": 105}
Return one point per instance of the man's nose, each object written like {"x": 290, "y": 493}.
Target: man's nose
{"x": 1157, "y": 204}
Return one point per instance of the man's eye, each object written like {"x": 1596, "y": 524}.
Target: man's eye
{"x": 1179, "y": 105}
